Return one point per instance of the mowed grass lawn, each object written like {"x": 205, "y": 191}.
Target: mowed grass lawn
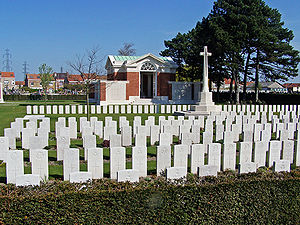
{"x": 11, "y": 110}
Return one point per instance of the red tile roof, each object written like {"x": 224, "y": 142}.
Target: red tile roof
{"x": 7, "y": 74}
{"x": 290, "y": 85}
{"x": 33, "y": 76}
{"x": 20, "y": 82}
{"x": 75, "y": 77}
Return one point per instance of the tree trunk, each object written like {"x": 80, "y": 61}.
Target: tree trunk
{"x": 231, "y": 88}
{"x": 218, "y": 89}
{"x": 246, "y": 76}
{"x": 237, "y": 87}
{"x": 256, "y": 77}
{"x": 87, "y": 103}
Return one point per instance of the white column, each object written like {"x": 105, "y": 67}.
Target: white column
{"x": 205, "y": 54}
{"x": 1, "y": 93}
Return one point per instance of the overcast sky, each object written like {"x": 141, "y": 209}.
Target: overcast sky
{"x": 53, "y": 32}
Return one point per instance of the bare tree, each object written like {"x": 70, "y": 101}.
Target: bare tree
{"x": 89, "y": 67}
{"x": 46, "y": 78}
{"x": 127, "y": 49}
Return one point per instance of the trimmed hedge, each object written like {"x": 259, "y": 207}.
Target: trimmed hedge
{"x": 40, "y": 97}
{"x": 265, "y": 98}
{"x": 263, "y": 198}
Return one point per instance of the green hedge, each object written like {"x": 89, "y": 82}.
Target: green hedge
{"x": 264, "y": 98}
{"x": 40, "y": 97}
{"x": 229, "y": 199}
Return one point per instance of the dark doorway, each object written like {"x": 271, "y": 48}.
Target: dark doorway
{"x": 147, "y": 85}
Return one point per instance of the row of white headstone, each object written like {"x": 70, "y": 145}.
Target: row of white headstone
{"x": 188, "y": 132}
{"x": 127, "y": 109}
{"x": 105, "y": 109}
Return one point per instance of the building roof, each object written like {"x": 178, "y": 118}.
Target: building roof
{"x": 133, "y": 58}
{"x": 60, "y": 75}
{"x": 33, "y": 76}
{"x": 7, "y": 74}
{"x": 20, "y": 82}
{"x": 270, "y": 84}
{"x": 74, "y": 78}
{"x": 290, "y": 85}
{"x": 119, "y": 61}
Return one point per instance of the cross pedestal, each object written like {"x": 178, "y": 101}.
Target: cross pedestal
{"x": 205, "y": 105}
{"x": 1, "y": 93}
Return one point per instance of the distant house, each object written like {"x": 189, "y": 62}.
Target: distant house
{"x": 60, "y": 79}
{"x": 267, "y": 87}
{"x": 74, "y": 79}
{"x": 19, "y": 84}
{"x": 225, "y": 85}
{"x": 292, "y": 87}
{"x": 8, "y": 80}
{"x": 33, "y": 81}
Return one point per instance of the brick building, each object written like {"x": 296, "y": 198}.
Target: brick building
{"x": 137, "y": 78}
{"x": 8, "y": 80}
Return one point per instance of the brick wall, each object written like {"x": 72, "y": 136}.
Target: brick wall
{"x": 163, "y": 87}
{"x": 132, "y": 88}
{"x": 117, "y": 76}
{"x": 102, "y": 91}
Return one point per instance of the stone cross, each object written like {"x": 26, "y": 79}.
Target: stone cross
{"x": 205, "y": 54}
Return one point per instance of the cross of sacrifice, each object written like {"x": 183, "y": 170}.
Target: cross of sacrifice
{"x": 205, "y": 54}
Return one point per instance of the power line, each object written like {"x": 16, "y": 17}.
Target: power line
{"x": 7, "y": 62}
{"x": 25, "y": 67}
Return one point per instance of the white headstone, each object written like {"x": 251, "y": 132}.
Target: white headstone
{"x": 14, "y": 166}
{"x": 129, "y": 175}
{"x": 288, "y": 151}
{"x": 39, "y": 163}
{"x": 99, "y": 128}
{"x": 165, "y": 139}
{"x": 163, "y": 160}
{"x": 67, "y": 109}
{"x": 139, "y": 160}
{"x": 95, "y": 162}
{"x": 181, "y": 156}
{"x": 73, "y": 109}
{"x": 208, "y": 170}
{"x": 80, "y": 177}
{"x": 281, "y": 166}
{"x": 71, "y": 162}
{"x": 140, "y": 140}
{"x": 197, "y": 157}
{"x": 229, "y": 156}
{"x": 260, "y": 150}
{"x": 247, "y": 167}
{"x": 62, "y": 144}
{"x": 28, "y": 109}
{"x": 89, "y": 141}
{"x": 26, "y": 133}
{"x": 117, "y": 161}
{"x": 274, "y": 152}
{"x": 61, "y": 109}
{"x": 174, "y": 173}
{"x": 4, "y": 147}
{"x": 126, "y": 133}
{"x": 28, "y": 180}
{"x": 80, "y": 109}
{"x": 214, "y": 155}
{"x": 154, "y": 134}
{"x": 115, "y": 140}
{"x": 35, "y": 109}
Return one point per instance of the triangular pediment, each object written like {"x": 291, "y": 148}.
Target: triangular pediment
{"x": 147, "y": 56}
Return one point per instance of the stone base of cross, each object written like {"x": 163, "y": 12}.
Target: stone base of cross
{"x": 1, "y": 93}
{"x": 205, "y": 104}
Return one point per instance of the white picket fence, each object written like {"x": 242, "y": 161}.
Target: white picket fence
{"x": 149, "y": 109}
